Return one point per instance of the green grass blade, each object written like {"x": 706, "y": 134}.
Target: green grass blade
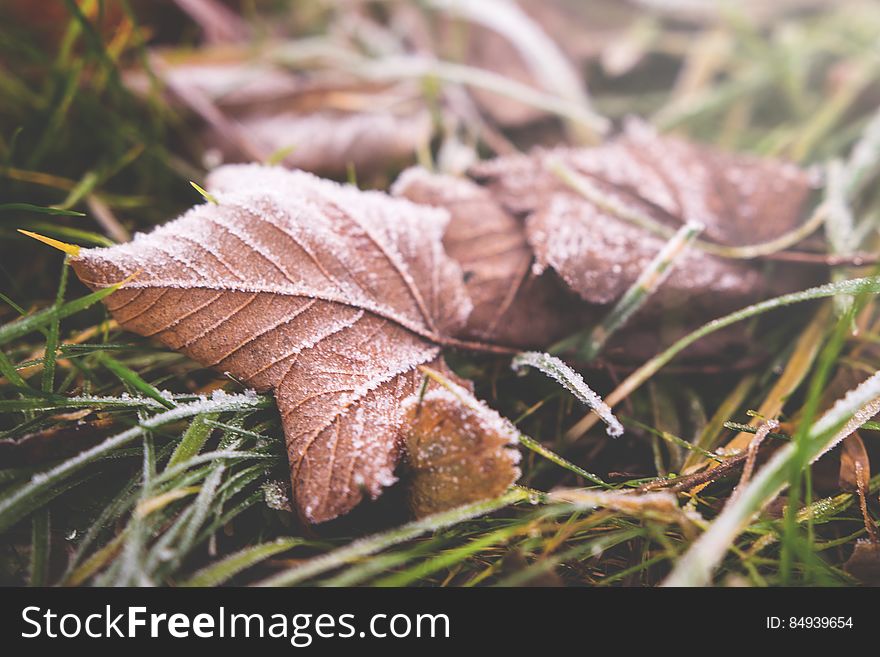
{"x": 538, "y": 448}
{"x": 589, "y": 344}
{"x": 225, "y": 569}
{"x": 27, "y": 207}
{"x": 869, "y": 285}
{"x": 38, "y": 320}
{"x": 13, "y": 507}
{"x": 372, "y": 544}
{"x": 40, "y": 548}
{"x": 193, "y": 439}
{"x": 696, "y": 566}
{"x": 133, "y": 379}
{"x": 7, "y": 369}
{"x": 49, "y": 353}
{"x": 447, "y": 559}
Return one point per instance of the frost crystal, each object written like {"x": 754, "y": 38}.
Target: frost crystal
{"x": 571, "y": 381}
{"x": 277, "y": 495}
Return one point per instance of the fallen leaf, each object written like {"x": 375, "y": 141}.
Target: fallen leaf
{"x": 507, "y": 41}
{"x": 864, "y": 564}
{"x": 855, "y": 468}
{"x": 600, "y": 256}
{"x": 324, "y": 122}
{"x": 331, "y": 141}
{"x": 325, "y": 294}
{"x": 512, "y": 305}
{"x": 514, "y": 563}
{"x": 740, "y": 199}
{"x": 458, "y": 449}
{"x": 855, "y": 474}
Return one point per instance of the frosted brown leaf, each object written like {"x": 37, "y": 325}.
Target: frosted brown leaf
{"x": 864, "y": 564}
{"x": 732, "y": 194}
{"x": 855, "y": 466}
{"x": 511, "y": 305}
{"x": 324, "y": 123}
{"x": 459, "y": 450}
{"x": 325, "y": 294}
{"x": 740, "y": 199}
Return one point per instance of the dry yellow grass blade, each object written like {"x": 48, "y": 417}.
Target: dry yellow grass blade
{"x": 712, "y": 434}
{"x": 79, "y": 338}
{"x": 146, "y": 507}
{"x": 805, "y": 351}
{"x": 69, "y": 249}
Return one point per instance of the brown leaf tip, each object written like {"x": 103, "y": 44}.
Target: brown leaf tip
{"x": 458, "y": 449}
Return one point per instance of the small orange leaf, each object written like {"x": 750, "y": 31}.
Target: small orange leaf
{"x": 459, "y": 449}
